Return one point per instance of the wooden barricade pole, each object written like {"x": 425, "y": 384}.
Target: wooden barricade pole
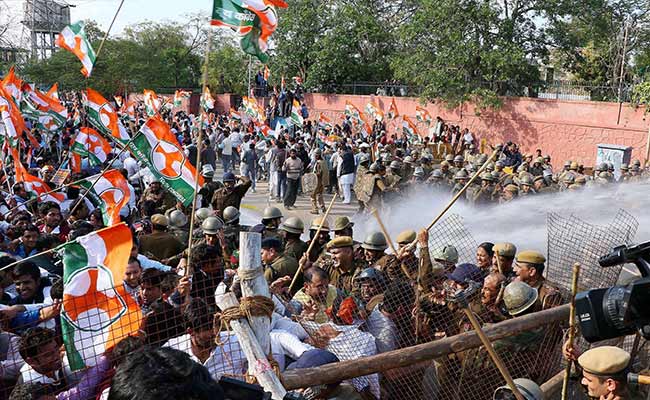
{"x": 313, "y": 241}
{"x": 572, "y": 327}
{"x": 253, "y": 283}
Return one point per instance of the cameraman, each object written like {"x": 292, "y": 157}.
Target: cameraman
{"x": 604, "y": 371}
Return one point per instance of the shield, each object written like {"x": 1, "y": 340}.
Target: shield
{"x": 363, "y": 186}
{"x": 309, "y": 182}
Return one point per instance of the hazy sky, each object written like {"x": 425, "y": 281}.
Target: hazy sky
{"x": 134, "y": 11}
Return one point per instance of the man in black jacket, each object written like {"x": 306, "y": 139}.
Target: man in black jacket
{"x": 346, "y": 173}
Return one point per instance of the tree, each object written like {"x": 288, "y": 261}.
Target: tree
{"x": 460, "y": 50}
{"x": 228, "y": 67}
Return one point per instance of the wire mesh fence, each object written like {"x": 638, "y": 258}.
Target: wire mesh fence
{"x": 395, "y": 302}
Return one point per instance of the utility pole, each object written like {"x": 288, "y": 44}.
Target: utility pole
{"x": 623, "y": 58}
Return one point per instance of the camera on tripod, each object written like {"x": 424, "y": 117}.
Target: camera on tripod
{"x": 618, "y": 310}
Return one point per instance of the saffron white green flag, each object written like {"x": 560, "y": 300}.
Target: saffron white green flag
{"x": 156, "y": 146}
{"x": 73, "y": 38}
{"x": 103, "y": 116}
{"x": 89, "y": 143}
{"x": 97, "y": 311}
{"x": 110, "y": 193}
{"x": 296, "y": 114}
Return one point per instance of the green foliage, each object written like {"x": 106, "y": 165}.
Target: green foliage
{"x": 461, "y": 50}
{"x": 228, "y": 68}
{"x": 151, "y": 55}
{"x": 641, "y": 96}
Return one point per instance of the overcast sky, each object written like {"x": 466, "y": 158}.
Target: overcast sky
{"x": 134, "y": 11}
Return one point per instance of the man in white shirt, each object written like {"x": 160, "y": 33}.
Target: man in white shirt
{"x": 226, "y": 152}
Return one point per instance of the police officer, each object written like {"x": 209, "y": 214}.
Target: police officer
{"x": 318, "y": 250}
{"x": 271, "y": 220}
{"x": 372, "y": 284}
{"x": 292, "y": 228}
{"x": 408, "y": 262}
{"x": 231, "y": 230}
{"x": 529, "y": 268}
{"x": 604, "y": 372}
{"x": 504, "y": 257}
{"x": 529, "y": 389}
{"x": 374, "y": 247}
{"x": 277, "y": 264}
{"x": 178, "y": 225}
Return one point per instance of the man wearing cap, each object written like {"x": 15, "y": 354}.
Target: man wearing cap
{"x": 322, "y": 173}
{"x": 342, "y": 267}
{"x": 604, "y": 372}
{"x": 276, "y": 263}
{"x": 374, "y": 248}
{"x": 231, "y": 193}
{"x": 408, "y": 262}
{"x": 209, "y": 187}
{"x": 529, "y": 268}
{"x": 344, "y": 227}
{"x": 160, "y": 244}
{"x": 503, "y": 259}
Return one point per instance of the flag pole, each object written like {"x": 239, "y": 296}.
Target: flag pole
{"x": 188, "y": 270}
{"x": 110, "y": 164}
{"x": 250, "y": 61}
{"x": 52, "y": 249}
{"x": 101, "y": 45}
{"x": 46, "y": 193}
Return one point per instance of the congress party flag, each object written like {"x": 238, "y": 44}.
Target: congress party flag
{"x": 392, "y": 111}
{"x": 234, "y": 115}
{"x": 73, "y": 38}
{"x": 179, "y": 95}
{"x": 151, "y": 102}
{"x": 374, "y": 111}
{"x": 207, "y": 101}
{"x": 13, "y": 86}
{"x": 296, "y": 114}
{"x": 54, "y": 91}
{"x": 109, "y": 194}
{"x": 103, "y": 116}
{"x": 408, "y": 127}
{"x": 422, "y": 115}
{"x": 33, "y": 184}
{"x": 12, "y": 119}
{"x": 324, "y": 122}
{"x": 89, "y": 143}
{"x": 97, "y": 311}
{"x": 352, "y": 111}
{"x": 37, "y": 104}
{"x": 253, "y": 20}
{"x": 156, "y": 146}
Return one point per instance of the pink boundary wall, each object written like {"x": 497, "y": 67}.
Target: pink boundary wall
{"x": 563, "y": 129}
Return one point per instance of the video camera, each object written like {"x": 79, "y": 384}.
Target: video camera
{"x": 618, "y": 310}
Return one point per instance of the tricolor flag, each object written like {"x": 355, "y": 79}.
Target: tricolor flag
{"x": 179, "y": 95}
{"x": 36, "y": 104}
{"x": 119, "y": 101}
{"x": 207, "y": 101}
{"x": 128, "y": 109}
{"x": 13, "y": 86}
{"x": 73, "y": 38}
{"x": 109, "y": 194}
{"x": 54, "y": 91}
{"x": 103, "y": 117}
{"x": 408, "y": 127}
{"x": 423, "y": 115}
{"x": 151, "y": 102}
{"x": 251, "y": 108}
{"x": 352, "y": 111}
{"x": 263, "y": 130}
{"x": 157, "y": 147}
{"x": 33, "y": 184}
{"x": 296, "y": 114}
{"x": 253, "y": 20}
{"x": 392, "y": 111}
{"x": 89, "y": 143}
{"x": 11, "y": 118}
{"x": 97, "y": 311}
{"x": 234, "y": 115}
{"x": 324, "y": 122}
{"x": 374, "y": 112}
